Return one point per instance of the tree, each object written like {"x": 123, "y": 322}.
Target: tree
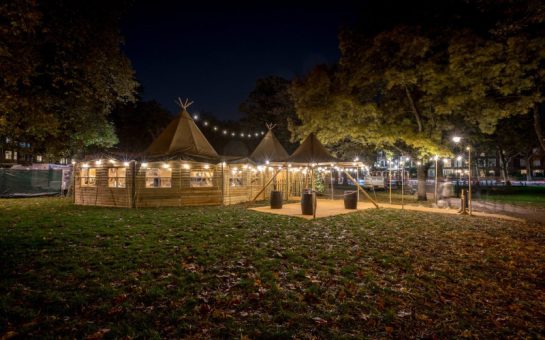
{"x": 499, "y": 68}
{"x": 409, "y": 85}
{"x": 62, "y": 73}
{"x": 138, "y": 124}
{"x": 382, "y": 93}
{"x": 270, "y": 102}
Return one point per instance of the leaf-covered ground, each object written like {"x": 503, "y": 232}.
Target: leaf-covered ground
{"x": 72, "y": 271}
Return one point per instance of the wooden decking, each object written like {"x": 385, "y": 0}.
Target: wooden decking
{"x": 327, "y": 208}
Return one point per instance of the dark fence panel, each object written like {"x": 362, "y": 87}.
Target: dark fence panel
{"x": 20, "y": 183}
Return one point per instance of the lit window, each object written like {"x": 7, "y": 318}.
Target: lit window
{"x": 201, "y": 179}
{"x": 39, "y": 158}
{"x": 158, "y": 178}
{"x": 88, "y": 177}
{"x": 8, "y": 155}
{"x": 117, "y": 177}
{"x": 236, "y": 179}
{"x": 14, "y": 155}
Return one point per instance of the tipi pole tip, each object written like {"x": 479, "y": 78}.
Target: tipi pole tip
{"x": 184, "y": 104}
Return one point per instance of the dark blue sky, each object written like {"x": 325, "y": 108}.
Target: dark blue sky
{"x": 214, "y": 54}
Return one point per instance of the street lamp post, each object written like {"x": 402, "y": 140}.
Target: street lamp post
{"x": 402, "y": 164}
{"x": 457, "y": 139}
{"x": 469, "y": 180}
{"x": 436, "y": 177}
{"x": 390, "y": 178}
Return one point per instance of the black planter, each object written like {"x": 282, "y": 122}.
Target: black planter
{"x": 276, "y": 199}
{"x": 351, "y": 199}
{"x": 307, "y": 203}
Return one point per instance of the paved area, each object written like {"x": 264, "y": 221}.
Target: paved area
{"x": 529, "y": 213}
{"x": 326, "y": 208}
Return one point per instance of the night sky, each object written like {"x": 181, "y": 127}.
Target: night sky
{"x": 213, "y": 54}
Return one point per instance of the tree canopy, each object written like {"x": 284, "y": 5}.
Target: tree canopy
{"x": 62, "y": 71}
{"x": 411, "y": 84}
{"x": 270, "y": 102}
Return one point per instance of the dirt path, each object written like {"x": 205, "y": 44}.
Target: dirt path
{"x": 533, "y": 214}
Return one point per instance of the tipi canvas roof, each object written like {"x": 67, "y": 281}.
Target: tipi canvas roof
{"x": 182, "y": 138}
{"x": 269, "y": 149}
{"x": 311, "y": 151}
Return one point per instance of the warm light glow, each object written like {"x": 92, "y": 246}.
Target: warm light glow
{"x": 223, "y": 163}
{"x": 98, "y": 162}
{"x": 206, "y": 166}
{"x": 85, "y": 165}
{"x": 435, "y": 158}
{"x": 73, "y": 162}
{"x": 144, "y": 165}
{"x": 289, "y": 165}
{"x": 166, "y": 166}
{"x": 233, "y": 134}
{"x": 125, "y": 163}
{"x": 205, "y": 123}
{"x": 267, "y": 162}
{"x": 186, "y": 166}
{"x": 418, "y": 163}
{"x": 356, "y": 159}
{"x": 468, "y": 148}
{"x": 456, "y": 139}
{"x": 112, "y": 161}
{"x": 262, "y": 132}
{"x": 195, "y": 117}
{"x": 313, "y": 164}
{"x": 459, "y": 158}
{"x": 224, "y": 132}
{"x": 445, "y": 160}
{"x": 215, "y": 128}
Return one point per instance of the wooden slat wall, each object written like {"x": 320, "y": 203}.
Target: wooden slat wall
{"x": 180, "y": 193}
{"x": 101, "y": 194}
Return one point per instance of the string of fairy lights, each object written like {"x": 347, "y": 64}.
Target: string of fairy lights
{"x": 225, "y": 131}
{"x": 234, "y": 168}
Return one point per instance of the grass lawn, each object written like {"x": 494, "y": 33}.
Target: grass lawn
{"x": 71, "y": 271}
{"x": 526, "y": 200}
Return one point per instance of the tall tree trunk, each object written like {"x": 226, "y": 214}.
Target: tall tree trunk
{"x": 537, "y": 127}
{"x": 503, "y": 167}
{"x": 421, "y": 175}
{"x": 529, "y": 167}
{"x": 414, "y": 109}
